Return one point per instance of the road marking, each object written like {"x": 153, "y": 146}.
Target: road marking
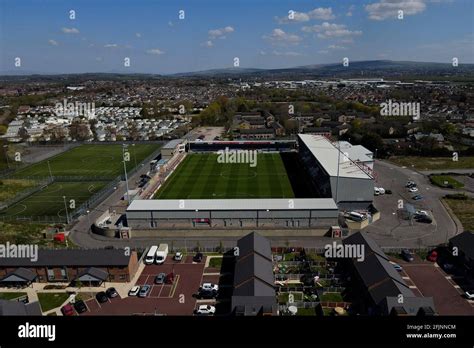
{"x": 405, "y": 277}
{"x": 412, "y": 286}
{"x": 457, "y": 286}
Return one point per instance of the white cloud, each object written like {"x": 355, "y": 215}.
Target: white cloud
{"x": 139, "y": 35}
{"x": 279, "y": 36}
{"x": 336, "y": 47}
{"x": 111, "y": 45}
{"x": 388, "y": 9}
{"x": 220, "y": 32}
{"x": 155, "y": 51}
{"x": 331, "y": 30}
{"x": 70, "y": 31}
{"x": 317, "y": 13}
{"x": 287, "y": 54}
{"x": 208, "y": 44}
{"x": 53, "y": 42}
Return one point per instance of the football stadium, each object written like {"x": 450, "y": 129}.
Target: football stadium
{"x": 288, "y": 184}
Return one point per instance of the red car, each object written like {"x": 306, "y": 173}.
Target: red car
{"x": 169, "y": 278}
{"x": 433, "y": 256}
{"x": 67, "y": 310}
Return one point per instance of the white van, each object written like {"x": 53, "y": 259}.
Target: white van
{"x": 161, "y": 254}
{"x": 150, "y": 255}
{"x": 356, "y": 216}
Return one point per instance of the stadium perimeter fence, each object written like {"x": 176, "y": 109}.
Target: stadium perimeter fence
{"x": 40, "y": 184}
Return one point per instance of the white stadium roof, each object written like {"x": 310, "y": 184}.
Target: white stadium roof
{"x": 327, "y": 155}
{"x": 232, "y": 204}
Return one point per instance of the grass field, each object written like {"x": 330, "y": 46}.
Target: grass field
{"x": 463, "y": 209}
{"x": 90, "y": 160}
{"x": 200, "y": 176}
{"x": 439, "y": 180}
{"x": 434, "y": 163}
{"x": 9, "y": 188}
{"x": 49, "y": 201}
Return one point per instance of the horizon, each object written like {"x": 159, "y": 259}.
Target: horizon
{"x": 161, "y": 39}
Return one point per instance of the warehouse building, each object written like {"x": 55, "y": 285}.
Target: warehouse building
{"x": 334, "y": 174}
{"x": 171, "y": 148}
{"x": 318, "y": 213}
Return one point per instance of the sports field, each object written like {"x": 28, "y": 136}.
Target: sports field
{"x": 90, "y": 160}
{"x": 201, "y": 176}
{"x": 50, "y": 202}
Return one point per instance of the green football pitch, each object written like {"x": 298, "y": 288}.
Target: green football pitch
{"x": 201, "y": 176}
{"x": 89, "y": 160}
{"x": 49, "y": 201}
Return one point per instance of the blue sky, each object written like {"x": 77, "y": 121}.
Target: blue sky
{"x": 213, "y": 33}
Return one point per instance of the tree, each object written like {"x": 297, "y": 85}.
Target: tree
{"x": 79, "y": 131}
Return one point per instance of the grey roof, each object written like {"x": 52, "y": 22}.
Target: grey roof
{"x": 254, "y": 242}
{"x": 172, "y": 144}
{"x": 18, "y": 275}
{"x": 410, "y": 305}
{"x": 232, "y": 204}
{"x": 330, "y": 157}
{"x": 465, "y": 243}
{"x": 71, "y": 257}
{"x": 92, "y": 274}
{"x": 19, "y": 308}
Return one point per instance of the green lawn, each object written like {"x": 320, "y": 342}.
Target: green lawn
{"x": 11, "y": 295}
{"x": 306, "y": 312}
{"x": 463, "y": 209}
{"x": 283, "y": 297}
{"x": 9, "y": 188}
{"x": 89, "y": 160}
{"x": 440, "y": 180}
{"x": 49, "y": 201}
{"x": 332, "y": 297}
{"x": 429, "y": 163}
{"x": 201, "y": 176}
{"x": 215, "y": 262}
{"x": 50, "y": 300}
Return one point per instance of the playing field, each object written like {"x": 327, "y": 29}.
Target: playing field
{"x": 50, "y": 202}
{"x": 90, "y": 160}
{"x": 201, "y": 176}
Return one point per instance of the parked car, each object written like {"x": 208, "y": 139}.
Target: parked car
{"x": 433, "y": 256}
{"x": 397, "y": 266}
{"x": 413, "y": 189}
{"x": 469, "y": 294}
{"x": 169, "y": 279}
{"x": 101, "y": 297}
{"x": 206, "y": 310}
{"x": 410, "y": 183}
{"x": 178, "y": 256}
{"x": 144, "y": 290}
{"x": 407, "y": 255}
{"x": 421, "y": 213}
{"x": 111, "y": 292}
{"x": 207, "y": 294}
{"x": 417, "y": 197}
{"x": 67, "y": 310}
{"x": 160, "y": 278}
{"x": 209, "y": 287}
{"x": 134, "y": 291}
{"x": 198, "y": 257}
{"x": 388, "y": 192}
{"x": 80, "y": 306}
{"x": 424, "y": 219}
{"x": 448, "y": 266}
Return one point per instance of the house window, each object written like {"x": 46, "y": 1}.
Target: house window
{"x": 123, "y": 277}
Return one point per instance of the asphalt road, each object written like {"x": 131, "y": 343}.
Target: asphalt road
{"x": 389, "y": 231}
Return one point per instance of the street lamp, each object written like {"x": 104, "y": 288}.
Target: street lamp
{"x": 134, "y": 155}
{"x": 124, "y": 146}
{"x": 65, "y": 206}
{"x": 88, "y": 219}
{"x": 49, "y": 168}
{"x": 5, "y": 147}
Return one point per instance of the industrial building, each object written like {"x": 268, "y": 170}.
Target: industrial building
{"x": 171, "y": 148}
{"x": 318, "y": 213}
{"x": 334, "y": 174}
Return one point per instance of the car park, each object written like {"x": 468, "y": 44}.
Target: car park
{"x": 198, "y": 257}
{"x": 144, "y": 290}
{"x": 67, "y": 310}
{"x": 178, "y": 256}
{"x": 160, "y": 278}
{"x": 407, "y": 255}
{"x": 111, "y": 292}
{"x": 210, "y": 287}
{"x": 101, "y": 297}
{"x": 80, "y": 306}
{"x": 206, "y": 310}
{"x": 134, "y": 291}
